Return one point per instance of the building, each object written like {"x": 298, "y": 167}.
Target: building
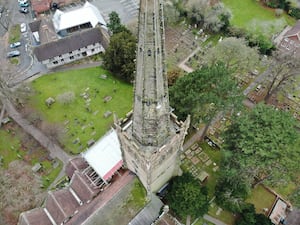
{"x": 290, "y": 42}
{"x": 89, "y": 174}
{"x": 87, "y": 16}
{"x": 151, "y": 137}
{"x": 69, "y": 36}
{"x": 74, "y": 47}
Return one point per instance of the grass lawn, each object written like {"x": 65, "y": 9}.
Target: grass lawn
{"x": 9, "y": 152}
{"x": 14, "y": 33}
{"x": 261, "y": 198}
{"x": 254, "y": 17}
{"x": 83, "y": 117}
{"x": 201, "y": 221}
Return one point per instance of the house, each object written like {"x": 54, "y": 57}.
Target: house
{"x": 69, "y": 36}
{"x": 290, "y": 42}
{"x": 279, "y": 212}
{"x": 80, "y": 45}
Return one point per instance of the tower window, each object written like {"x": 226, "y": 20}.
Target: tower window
{"x": 149, "y": 52}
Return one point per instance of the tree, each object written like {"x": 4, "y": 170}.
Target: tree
{"x": 115, "y": 25}
{"x": 213, "y": 17}
{"x": 262, "y": 145}
{"x": 282, "y": 73}
{"x": 204, "y": 93}
{"x": 232, "y": 189}
{"x": 187, "y": 197}
{"x": 120, "y": 55}
{"x": 242, "y": 57}
{"x": 248, "y": 216}
{"x": 173, "y": 75}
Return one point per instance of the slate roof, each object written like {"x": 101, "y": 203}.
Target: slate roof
{"x": 81, "y": 187}
{"x": 34, "y": 217}
{"x": 295, "y": 30}
{"x": 69, "y": 44}
{"x": 77, "y": 163}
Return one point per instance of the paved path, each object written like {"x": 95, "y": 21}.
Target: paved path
{"x": 54, "y": 150}
{"x": 213, "y": 220}
{"x": 182, "y": 64}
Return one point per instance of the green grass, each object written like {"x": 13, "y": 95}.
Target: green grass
{"x": 224, "y": 216}
{"x": 286, "y": 190}
{"x": 261, "y": 198}
{"x": 256, "y": 18}
{"x": 9, "y": 148}
{"x": 51, "y": 172}
{"x": 137, "y": 198}
{"x": 79, "y": 120}
{"x": 14, "y": 61}
{"x": 201, "y": 221}
{"x": 14, "y": 33}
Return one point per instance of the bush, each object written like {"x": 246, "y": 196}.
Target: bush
{"x": 295, "y": 12}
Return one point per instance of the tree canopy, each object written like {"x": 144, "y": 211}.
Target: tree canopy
{"x": 242, "y": 57}
{"x": 114, "y": 24}
{"x": 261, "y": 143}
{"x": 248, "y": 216}
{"x": 120, "y": 56}
{"x": 205, "y": 92}
{"x": 187, "y": 197}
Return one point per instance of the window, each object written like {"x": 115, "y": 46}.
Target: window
{"x": 71, "y": 57}
{"x": 84, "y": 54}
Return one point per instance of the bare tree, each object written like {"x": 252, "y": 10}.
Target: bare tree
{"x": 283, "y": 70}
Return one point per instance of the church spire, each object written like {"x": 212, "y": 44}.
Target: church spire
{"x": 151, "y": 114}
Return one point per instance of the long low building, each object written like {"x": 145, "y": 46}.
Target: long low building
{"x": 77, "y": 46}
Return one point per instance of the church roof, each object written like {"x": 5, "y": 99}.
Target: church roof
{"x": 105, "y": 155}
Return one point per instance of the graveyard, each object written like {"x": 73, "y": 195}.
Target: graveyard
{"x": 84, "y": 103}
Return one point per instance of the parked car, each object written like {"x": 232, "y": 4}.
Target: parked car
{"x": 23, "y": 4}
{"x": 23, "y": 27}
{"x": 15, "y": 45}
{"x": 23, "y": 10}
{"x": 13, "y": 54}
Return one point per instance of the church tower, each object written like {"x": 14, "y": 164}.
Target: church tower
{"x": 151, "y": 137}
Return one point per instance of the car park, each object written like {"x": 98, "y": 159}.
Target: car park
{"x": 23, "y": 27}
{"x": 23, "y": 10}
{"x": 13, "y": 54}
{"x": 15, "y": 45}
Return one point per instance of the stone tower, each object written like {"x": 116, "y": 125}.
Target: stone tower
{"x": 151, "y": 137}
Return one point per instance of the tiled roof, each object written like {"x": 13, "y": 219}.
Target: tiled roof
{"x": 295, "y": 30}
{"x": 34, "y": 217}
{"x": 82, "y": 188}
{"x": 77, "y": 163}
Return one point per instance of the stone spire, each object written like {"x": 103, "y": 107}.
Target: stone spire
{"x": 151, "y": 113}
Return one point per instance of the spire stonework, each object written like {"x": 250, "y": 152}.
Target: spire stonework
{"x": 151, "y": 137}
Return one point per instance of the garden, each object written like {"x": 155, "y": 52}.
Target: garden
{"x": 82, "y": 103}
{"x": 256, "y": 17}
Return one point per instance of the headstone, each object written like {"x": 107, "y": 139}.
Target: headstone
{"x": 90, "y": 142}
{"x": 103, "y": 76}
{"x": 36, "y": 167}
{"x": 107, "y": 98}
{"x": 107, "y": 114}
